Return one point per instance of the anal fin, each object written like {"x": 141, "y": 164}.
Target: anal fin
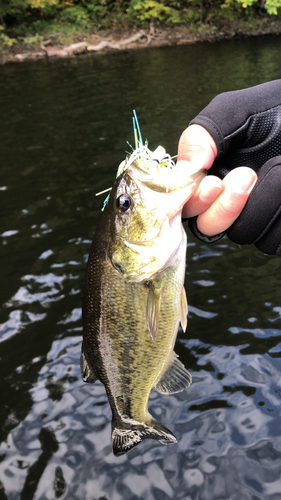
{"x": 87, "y": 371}
{"x": 175, "y": 379}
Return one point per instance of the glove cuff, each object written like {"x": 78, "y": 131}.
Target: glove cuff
{"x": 260, "y": 221}
{"x": 192, "y": 224}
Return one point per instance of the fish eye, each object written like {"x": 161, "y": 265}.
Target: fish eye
{"x": 124, "y": 202}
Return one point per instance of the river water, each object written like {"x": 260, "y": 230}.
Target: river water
{"x": 64, "y": 127}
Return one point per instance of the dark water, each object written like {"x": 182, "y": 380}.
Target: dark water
{"x": 63, "y": 130}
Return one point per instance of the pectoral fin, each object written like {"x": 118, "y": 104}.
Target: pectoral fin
{"x": 153, "y": 311}
{"x": 87, "y": 371}
{"x": 175, "y": 379}
{"x": 183, "y": 309}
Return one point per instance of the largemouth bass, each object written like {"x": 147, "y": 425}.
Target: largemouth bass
{"x": 134, "y": 298}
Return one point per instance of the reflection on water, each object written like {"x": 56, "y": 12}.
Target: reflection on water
{"x": 64, "y": 129}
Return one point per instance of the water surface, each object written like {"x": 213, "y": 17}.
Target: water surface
{"x": 64, "y": 127}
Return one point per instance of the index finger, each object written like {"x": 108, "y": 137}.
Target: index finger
{"x": 228, "y": 206}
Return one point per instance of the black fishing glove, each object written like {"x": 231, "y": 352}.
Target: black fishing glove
{"x": 246, "y": 126}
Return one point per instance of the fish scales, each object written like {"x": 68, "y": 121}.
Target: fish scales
{"x": 128, "y": 336}
{"x": 133, "y": 303}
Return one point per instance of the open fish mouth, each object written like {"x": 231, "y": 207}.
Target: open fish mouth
{"x": 162, "y": 175}
{"x": 156, "y": 169}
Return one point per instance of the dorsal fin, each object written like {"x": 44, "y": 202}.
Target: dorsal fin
{"x": 175, "y": 379}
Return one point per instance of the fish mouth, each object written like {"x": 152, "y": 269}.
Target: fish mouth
{"x": 153, "y": 168}
{"x": 164, "y": 179}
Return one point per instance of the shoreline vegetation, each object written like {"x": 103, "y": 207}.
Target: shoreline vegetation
{"x": 44, "y": 29}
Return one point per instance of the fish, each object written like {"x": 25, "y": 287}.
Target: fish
{"x": 134, "y": 297}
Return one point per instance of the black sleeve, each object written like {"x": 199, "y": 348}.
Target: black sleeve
{"x": 246, "y": 126}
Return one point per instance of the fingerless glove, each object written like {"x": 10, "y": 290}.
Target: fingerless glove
{"x": 246, "y": 126}
{"x": 260, "y": 221}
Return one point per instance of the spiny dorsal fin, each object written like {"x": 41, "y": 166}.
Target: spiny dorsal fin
{"x": 88, "y": 373}
{"x": 175, "y": 379}
{"x": 183, "y": 309}
{"x": 153, "y": 310}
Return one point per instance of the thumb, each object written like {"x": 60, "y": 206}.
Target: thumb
{"x": 197, "y": 146}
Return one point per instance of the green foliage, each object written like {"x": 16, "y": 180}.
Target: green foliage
{"x": 5, "y": 40}
{"x": 33, "y": 40}
{"x": 75, "y": 14}
{"x": 41, "y": 4}
{"x": 29, "y": 17}
{"x": 15, "y": 8}
{"x": 146, "y": 10}
{"x": 107, "y": 13}
{"x": 273, "y": 7}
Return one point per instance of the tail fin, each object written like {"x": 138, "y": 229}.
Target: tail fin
{"x": 124, "y": 438}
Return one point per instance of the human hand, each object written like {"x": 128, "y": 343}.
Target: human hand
{"x": 217, "y": 202}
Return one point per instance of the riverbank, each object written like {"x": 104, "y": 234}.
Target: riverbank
{"x": 53, "y": 45}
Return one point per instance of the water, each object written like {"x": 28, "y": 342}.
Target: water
{"x": 64, "y": 127}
